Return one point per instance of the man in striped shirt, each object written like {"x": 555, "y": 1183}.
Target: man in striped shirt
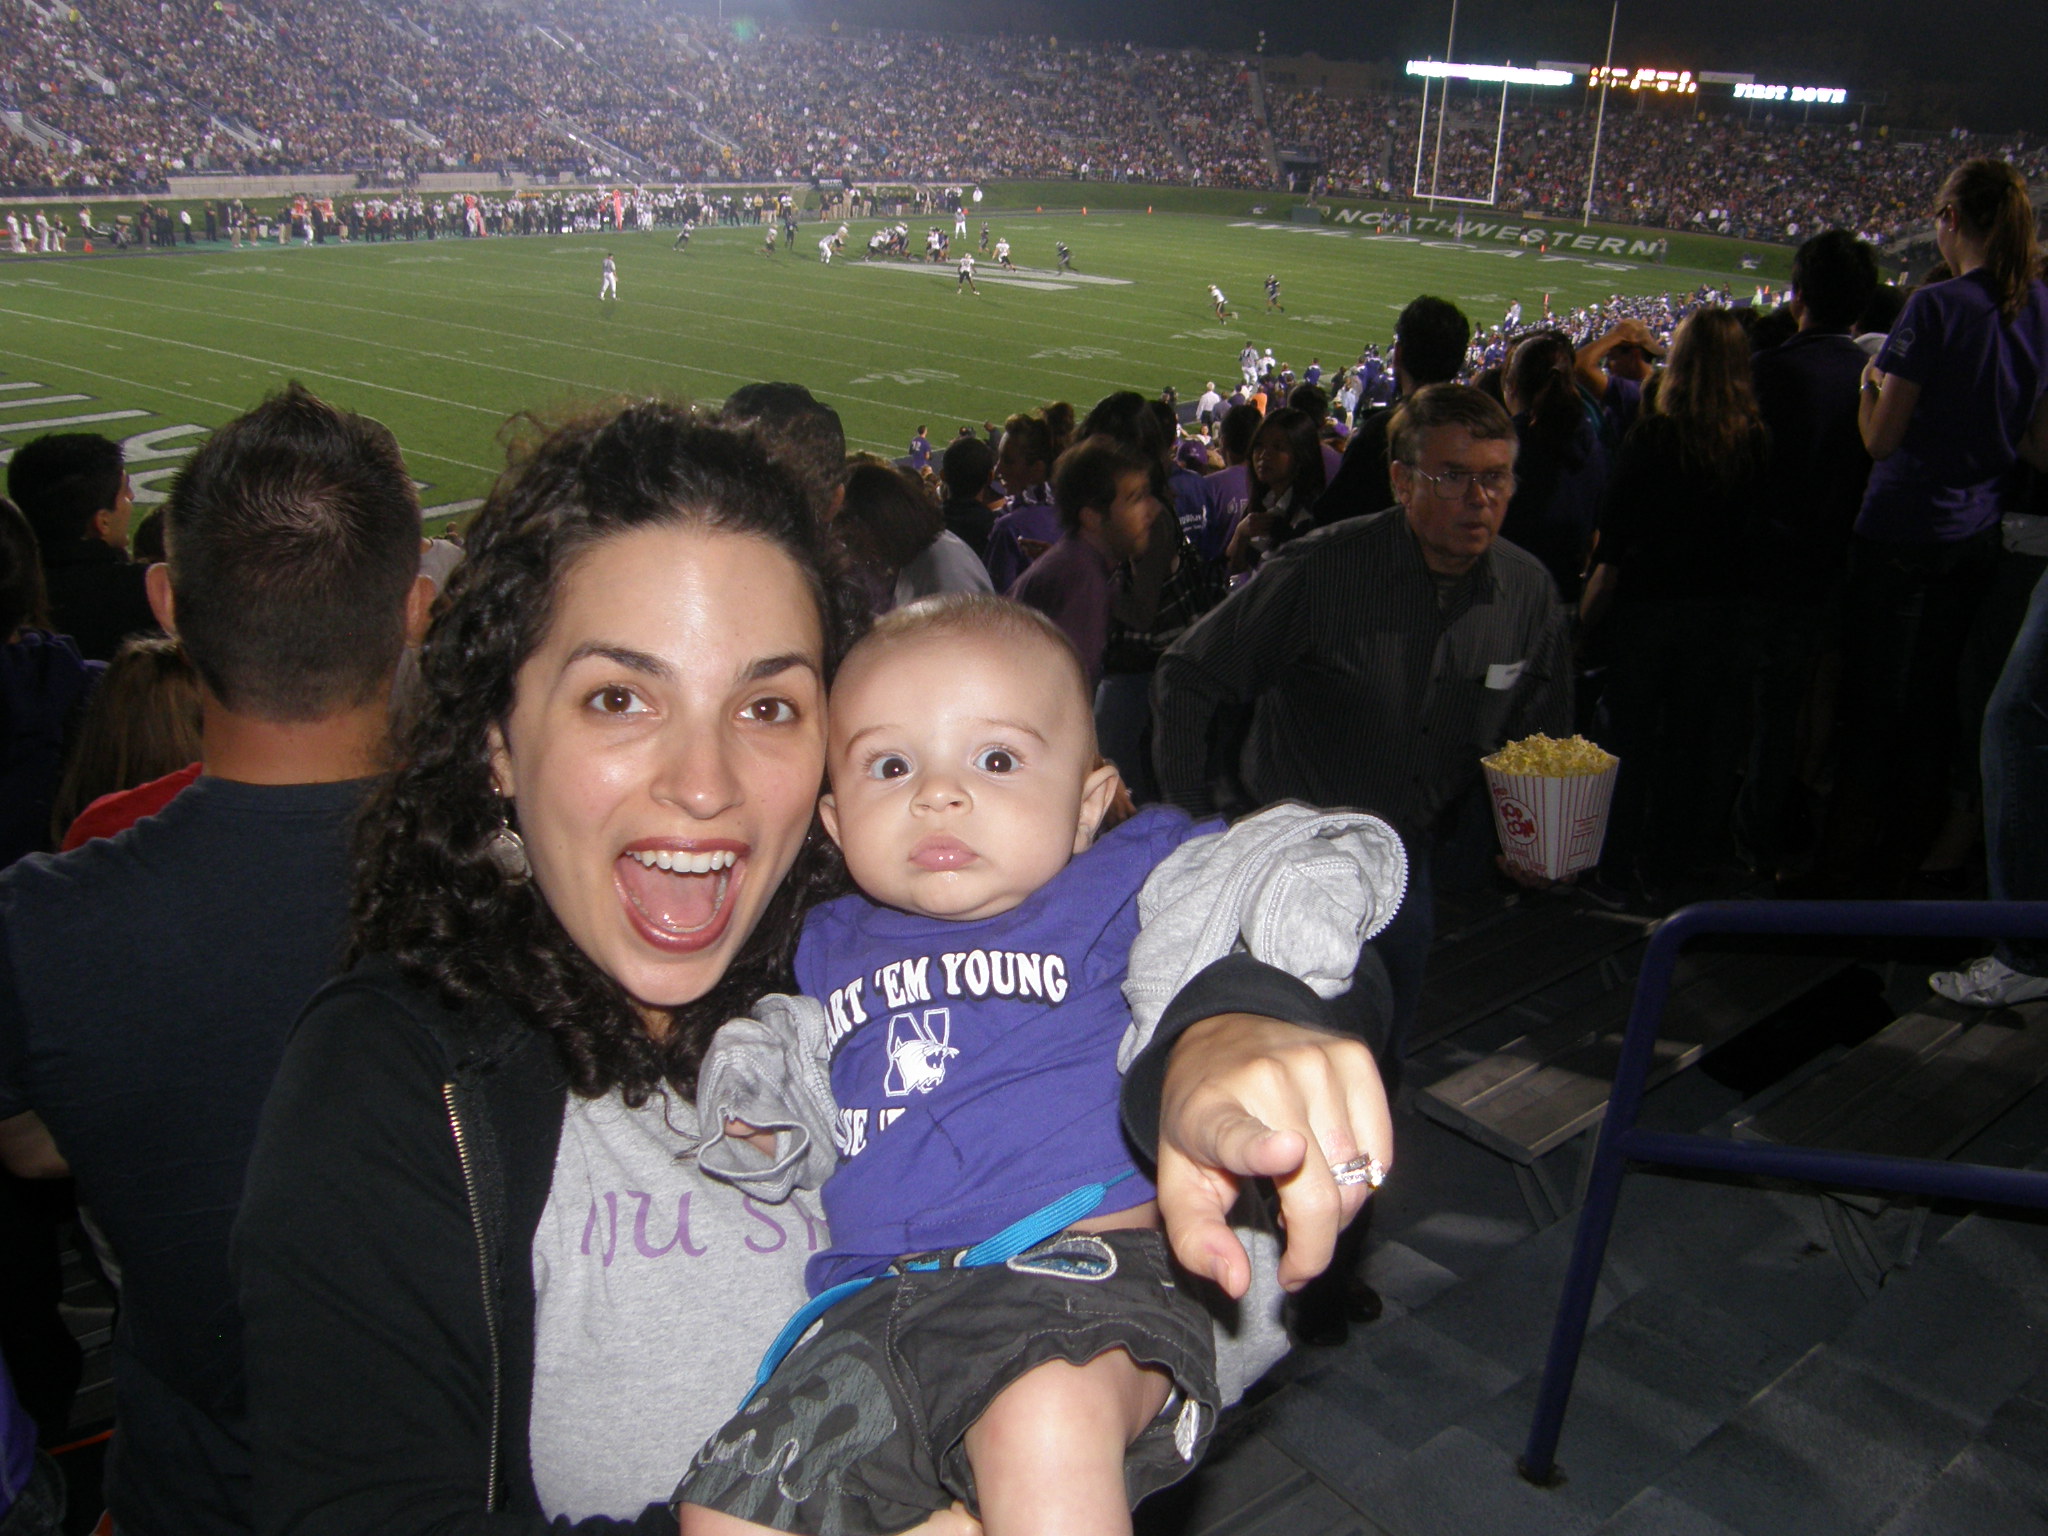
{"x": 1381, "y": 658}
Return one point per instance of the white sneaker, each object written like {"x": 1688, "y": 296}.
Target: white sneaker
{"x": 1988, "y": 982}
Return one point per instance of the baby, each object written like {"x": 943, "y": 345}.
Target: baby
{"x": 973, "y": 1004}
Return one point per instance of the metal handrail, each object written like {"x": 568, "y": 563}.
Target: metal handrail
{"x": 1622, "y": 1140}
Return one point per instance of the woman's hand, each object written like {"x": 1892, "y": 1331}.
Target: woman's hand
{"x": 1240, "y": 552}
{"x": 1248, "y": 1097}
{"x": 1884, "y": 406}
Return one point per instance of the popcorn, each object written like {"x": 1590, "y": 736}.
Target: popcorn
{"x": 1549, "y": 758}
{"x": 1550, "y": 802}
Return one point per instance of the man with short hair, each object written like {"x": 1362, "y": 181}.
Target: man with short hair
{"x": 1103, "y": 490}
{"x": 148, "y": 980}
{"x": 1615, "y": 369}
{"x": 796, "y": 428}
{"x": 73, "y": 488}
{"x": 1430, "y": 338}
{"x": 1382, "y": 658}
{"x": 1807, "y": 391}
{"x": 967, "y": 470}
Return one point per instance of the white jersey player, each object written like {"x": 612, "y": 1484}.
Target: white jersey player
{"x": 1003, "y": 255}
{"x": 1222, "y": 304}
{"x": 966, "y": 278}
{"x": 609, "y": 288}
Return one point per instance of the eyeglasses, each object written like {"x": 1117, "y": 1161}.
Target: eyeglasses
{"x": 1452, "y": 484}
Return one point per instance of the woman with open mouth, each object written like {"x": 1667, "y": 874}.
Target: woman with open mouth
{"x": 486, "y": 1285}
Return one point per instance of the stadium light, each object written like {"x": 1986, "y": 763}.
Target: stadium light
{"x": 1492, "y": 74}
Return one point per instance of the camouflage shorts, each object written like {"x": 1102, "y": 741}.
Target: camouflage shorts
{"x": 861, "y": 1431}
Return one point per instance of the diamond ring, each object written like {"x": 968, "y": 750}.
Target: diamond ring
{"x": 1367, "y": 1170}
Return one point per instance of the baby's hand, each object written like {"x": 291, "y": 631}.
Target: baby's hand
{"x": 763, "y": 1141}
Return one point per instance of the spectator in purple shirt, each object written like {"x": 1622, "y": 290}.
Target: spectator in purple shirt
{"x": 1028, "y": 524}
{"x": 1227, "y": 491}
{"x": 1614, "y": 369}
{"x": 1106, "y": 510}
{"x": 1944, "y": 408}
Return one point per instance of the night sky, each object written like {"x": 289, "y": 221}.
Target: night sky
{"x": 1981, "y": 64}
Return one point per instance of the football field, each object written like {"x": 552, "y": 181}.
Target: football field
{"x": 445, "y": 340}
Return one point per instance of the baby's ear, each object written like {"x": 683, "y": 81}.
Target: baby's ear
{"x": 1100, "y": 791}
{"x": 828, "y": 813}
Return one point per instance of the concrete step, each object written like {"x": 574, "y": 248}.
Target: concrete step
{"x": 1925, "y": 1413}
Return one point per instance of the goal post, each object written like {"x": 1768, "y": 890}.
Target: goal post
{"x": 1505, "y": 75}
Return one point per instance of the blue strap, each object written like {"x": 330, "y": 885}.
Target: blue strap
{"x": 1020, "y": 1236}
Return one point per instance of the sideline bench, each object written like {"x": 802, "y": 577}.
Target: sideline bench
{"x": 1550, "y": 1085}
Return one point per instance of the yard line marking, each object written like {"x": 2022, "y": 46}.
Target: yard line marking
{"x": 243, "y": 357}
{"x": 596, "y": 385}
{"x": 71, "y": 421}
{"x": 22, "y": 405}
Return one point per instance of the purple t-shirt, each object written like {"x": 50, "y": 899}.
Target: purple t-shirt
{"x": 1622, "y": 404}
{"x": 1981, "y": 377}
{"x": 1227, "y": 492}
{"x": 1029, "y": 516}
{"x": 975, "y": 1069}
{"x": 1070, "y": 584}
{"x": 1190, "y": 507}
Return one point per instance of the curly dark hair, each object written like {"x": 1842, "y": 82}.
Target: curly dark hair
{"x": 427, "y": 890}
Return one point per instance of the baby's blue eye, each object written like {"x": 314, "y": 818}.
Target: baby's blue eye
{"x": 890, "y": 765}
{"x": 995, "y": 760}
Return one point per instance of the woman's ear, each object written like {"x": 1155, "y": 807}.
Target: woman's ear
{"x": 501, "y": 765}
{"x": 1098, "y": 791}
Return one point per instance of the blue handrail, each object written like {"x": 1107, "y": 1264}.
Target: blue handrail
{"x": 1623, "y": 1141}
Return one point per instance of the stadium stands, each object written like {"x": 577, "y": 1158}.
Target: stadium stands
{"x": 119, "y": 94}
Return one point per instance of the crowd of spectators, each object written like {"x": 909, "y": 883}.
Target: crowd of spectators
{"x": 122, "y": 93}
{"x": 1788, "y": 561}
{"x": 1761, "y": 178}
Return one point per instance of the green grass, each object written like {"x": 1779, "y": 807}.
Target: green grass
{"x": 446, "y": 340}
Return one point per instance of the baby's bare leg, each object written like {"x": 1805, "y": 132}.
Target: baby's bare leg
{"x": 1048, "y": 1453}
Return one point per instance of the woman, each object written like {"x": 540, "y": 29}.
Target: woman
{"x": 1945, "y": 406}
{"x": 44, "y": 684}
{"x": 484, "y": 1283}
{"x": 1029, "y": 524}
{"x": 1664, "y": 593}
{"x": 1560, "y": 468}
{"x": 1286, "y": 480}
{"x": 897, "y": 537}
{"x": 142, "y": 725}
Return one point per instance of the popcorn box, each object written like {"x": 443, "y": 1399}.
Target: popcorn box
{"x": 1551, "y": 826}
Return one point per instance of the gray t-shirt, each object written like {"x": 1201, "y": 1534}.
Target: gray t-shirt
{"x": 656, "y": 1292}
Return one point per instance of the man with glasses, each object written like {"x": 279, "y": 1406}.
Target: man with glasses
{"x": 1379, "y": 659}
